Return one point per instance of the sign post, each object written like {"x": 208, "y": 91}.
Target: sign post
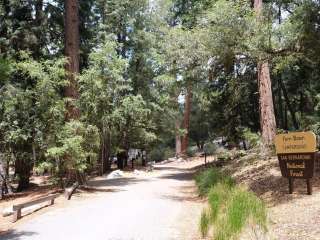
{"x": 296, "y": 153}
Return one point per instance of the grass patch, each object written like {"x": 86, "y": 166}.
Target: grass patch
{"x": 231, "y": 208}
{"x": 204, "y": 223}
{"x": 210, "y": 177}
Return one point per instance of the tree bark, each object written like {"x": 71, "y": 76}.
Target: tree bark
{"x": 290, "y": 108}
{"x": 186, "y": 120}
{"x": 178, "y": 139}
{"x": 280, "y": 106}
{"x": 72, "y": 50}
{"x": 23, "y": 170}
{"x": 105, "y": 153}
{"x": 267, "y": 117}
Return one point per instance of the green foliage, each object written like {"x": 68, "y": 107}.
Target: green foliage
{"x": 4, "y": 70}
{"x": 210, "y": 177}
{"x": 137, "y": 60}
{"x": 223, "y": 154}
{"x": 191, "y": 151}
{"x": 210, "y": 148}
{"x": 253, "y": 139}
{"x": 161, "y": 153}
{"x": 231, "y": 210}
{"x": 204, "y": 223}
{"x": 76, "y": 147}
{"x": 43, "y": 167}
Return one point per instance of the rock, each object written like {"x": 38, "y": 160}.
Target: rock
{"x": 7, "y": 212}
{"x": 136, "y": 172}
{"x": 115, "y": 174}
{"x": 180, "y": 160}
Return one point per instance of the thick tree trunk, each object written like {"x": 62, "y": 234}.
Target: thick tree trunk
{"x": 23, "y": 171}
{"x": 105, "y": 153}
{"x": 72, "y": 43}
{"x": 186, "y": 120}
{"x": 267, "y": 118}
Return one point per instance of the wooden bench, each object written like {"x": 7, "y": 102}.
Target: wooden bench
{"x": 17, "y": 208}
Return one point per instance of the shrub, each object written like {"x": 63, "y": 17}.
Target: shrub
{"x": 161, "y": 153}
{"x": 224, "y": 156}
{"x": 204, "y": 223}
{"x": 210, "y": 148}
{"x": 209, "y": 178}
{"x": 244, "y": 205}
{"x": 240, "y": 209}
{"x": 231, "y": 208}
{"x": 191, "y": 151}
{"x": 168, "y": 153}
{"x": 156, "y": 155}
{"x": 253, "y": 139}
{"x": 43, "y": 167}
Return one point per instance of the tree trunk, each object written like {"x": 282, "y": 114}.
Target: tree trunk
{"x": 178, "y": 139}
{"x": 290, "y": 108}
{"x": 72, "y": 50}
{"x": 105, "y": 153}
{"x": 285, "y": 118}
{"x": 121, "y": 159}
{"x": 38, "y": 46}
{"x": 186, "y": 120}
{"x": 23, "y": 169}
{"x": 267, "y": 118}
{"x": 280, "y": 104}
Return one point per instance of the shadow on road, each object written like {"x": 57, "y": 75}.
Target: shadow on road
{"x": 181, "y": 176}
{"x": 16, "y": 235}
{"x": 159, "y": 167}
{"x": 116, "y": 182}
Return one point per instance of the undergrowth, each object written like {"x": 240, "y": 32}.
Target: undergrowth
{"x": 231, "y": 208}
{"x": 210, "y": 177}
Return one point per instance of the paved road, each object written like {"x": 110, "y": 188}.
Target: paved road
{"x": 159, "y": 206}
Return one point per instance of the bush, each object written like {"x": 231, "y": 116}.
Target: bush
{"x": 44, "y": 167}
{"x": 161, "y": 153}
{"x": 209, "y": 178}
{"x": 231, "y": 208}
{"x": 191, "y": 151}
{"x": 240, "y": 209}
{"x": 156, "y": 155}
{"x": 168, "y": 153}
{"x": 253, "y": 139}
{"x": 210, "y": 148}
{"x": 204, "y": 223}
{"x": 224, "y": 155}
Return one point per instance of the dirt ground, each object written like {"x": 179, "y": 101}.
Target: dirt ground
{"x": 292, "y": 216}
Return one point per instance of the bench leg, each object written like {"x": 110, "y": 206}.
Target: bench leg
{"x": 16, "y": 215}
{"x": 52, "y": 201}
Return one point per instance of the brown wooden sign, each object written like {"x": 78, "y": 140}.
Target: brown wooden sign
{"x": 296, "y": 154}
{"x": 297, "y": 165}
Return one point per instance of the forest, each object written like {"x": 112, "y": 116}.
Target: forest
{"x": 82, "y": 82}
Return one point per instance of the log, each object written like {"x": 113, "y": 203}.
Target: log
{"x": 69, "y": 191}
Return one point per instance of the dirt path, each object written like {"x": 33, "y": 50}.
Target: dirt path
{"x": 160, "y": 205}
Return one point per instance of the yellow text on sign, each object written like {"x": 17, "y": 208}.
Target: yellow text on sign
{"x": 296, "y": 142}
